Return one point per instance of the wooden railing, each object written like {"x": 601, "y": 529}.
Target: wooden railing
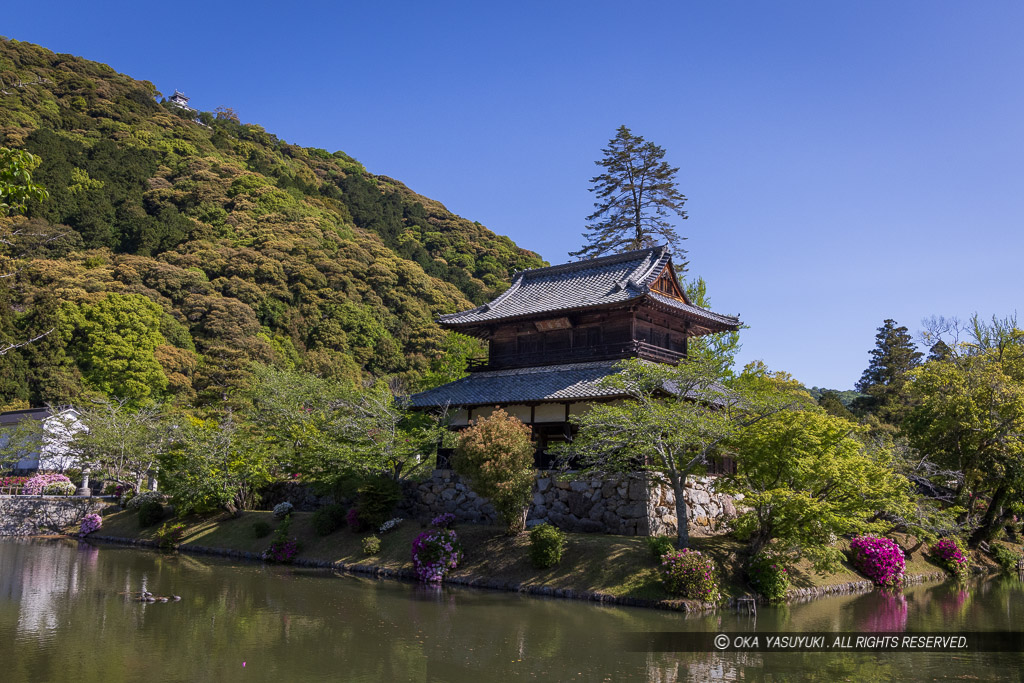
{"x": 580, "y": 354}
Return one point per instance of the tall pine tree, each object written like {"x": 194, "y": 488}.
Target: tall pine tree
{"x": 893, "y": 356}
{"x": 636, "y": 195}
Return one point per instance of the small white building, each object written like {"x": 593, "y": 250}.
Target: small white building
{"x": 178, "y": 99}
{"x": 45, "y": 438}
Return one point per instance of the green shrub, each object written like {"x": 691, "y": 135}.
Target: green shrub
{"x": 150, "y": 513}
{"x": 1006, "y": 558}
{"x": 660, "y": 546}
{"x": 328, "y": 519}
{"x": 371, "y": 545}
{"x": 690, "y": 574}
{"x": 769, "y": 577}
{"x": 495, "y": 456}
{"x": 377, "y": 499}
{"x": 260, "y": 529}
{"x": 169, "y": 535}
{"x": 546, "y": 546}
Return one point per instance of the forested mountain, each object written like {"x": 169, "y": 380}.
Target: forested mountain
{"x": 179, "y": 247}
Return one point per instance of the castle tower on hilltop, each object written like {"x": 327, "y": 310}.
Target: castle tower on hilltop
{"x": 178, "y": 99}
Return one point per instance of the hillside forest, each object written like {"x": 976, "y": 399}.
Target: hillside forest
{"x": 207, "y": 245}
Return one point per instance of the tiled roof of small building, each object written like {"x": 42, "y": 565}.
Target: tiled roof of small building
{"x": 572, "y": 381}
{"x": 585, "y": 284}
{"x": 552, "y": 383}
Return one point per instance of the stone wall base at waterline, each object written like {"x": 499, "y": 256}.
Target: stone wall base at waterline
{"x": 32, "y": 515}
{"x": 629, "y": 505}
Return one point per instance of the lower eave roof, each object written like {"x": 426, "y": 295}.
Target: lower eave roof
{"x": 552, "y": 383}
{"x": 547, "y": 384}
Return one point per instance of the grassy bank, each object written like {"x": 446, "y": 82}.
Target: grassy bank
{"x": 620, "y": 567}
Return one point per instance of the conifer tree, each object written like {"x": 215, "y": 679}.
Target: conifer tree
{"x": 636, "y": 194}
{"x": 892, "y": 358}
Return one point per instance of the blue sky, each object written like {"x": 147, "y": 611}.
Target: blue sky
{"x": 844, "y": 162}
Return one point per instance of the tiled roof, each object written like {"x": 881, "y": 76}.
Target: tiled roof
{"x": 569, "y": 382}
{"x": 521, "y": 385}
{"x": 584, "y": 284}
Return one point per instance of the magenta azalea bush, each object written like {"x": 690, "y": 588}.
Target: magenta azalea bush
{"x": 879, "y": 559}
{"x": 690, "y": 574}
{"x": 948, "y": 553}
{"x": 49, "y": 484}
{"x": 90, "y": 523}
{"x": 281, "y": 551}
{"x": 435, "y": 552}
{"x": 12, "y": 481}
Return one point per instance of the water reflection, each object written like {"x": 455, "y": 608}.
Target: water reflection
{"x": 63, "y": 603}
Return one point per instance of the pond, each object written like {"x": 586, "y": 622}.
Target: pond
{"x": 67, "y": 614}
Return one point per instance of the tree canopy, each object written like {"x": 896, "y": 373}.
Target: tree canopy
{"x": 636, "y": 195}
{"x": 893, "y": 356}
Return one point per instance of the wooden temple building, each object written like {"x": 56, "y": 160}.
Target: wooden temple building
{"x": 557, "y": 331}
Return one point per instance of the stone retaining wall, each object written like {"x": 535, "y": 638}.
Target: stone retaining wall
{"x": 30, "y": 515}
{"x": 630, "y": 505}
{"x": 298, "y": 494}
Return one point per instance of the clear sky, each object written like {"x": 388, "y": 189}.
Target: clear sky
{"x": 844, "y": 162}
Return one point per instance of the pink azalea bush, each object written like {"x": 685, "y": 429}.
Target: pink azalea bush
{"x": 90, "y": 523}
{"x": 435, "y": 552}
{"x": 948, "y": 553}
{"x": 879, "y": 559}
{"x": 48, "y": 484}
{"x": 690, "y": 574}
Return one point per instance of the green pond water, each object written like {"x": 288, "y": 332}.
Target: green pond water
{"x": 66, "y": 614}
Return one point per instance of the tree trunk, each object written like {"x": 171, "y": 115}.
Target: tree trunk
{"x": 517, "y": 524}
{"x": 682, "y": 525}
{"x": 988, "y": 527}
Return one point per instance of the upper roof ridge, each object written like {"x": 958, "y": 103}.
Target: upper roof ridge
{"x": 587, "y": 264}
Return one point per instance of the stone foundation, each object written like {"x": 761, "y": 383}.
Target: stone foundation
{"x": 30, "y": 515}
{"x": 630, "y": 505}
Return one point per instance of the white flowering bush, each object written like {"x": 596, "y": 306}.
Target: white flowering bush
{"x": 282, "y": 510}
{"x": 145, "y": 497}
{"x": 59, "y": 488}
{"x": 390, "y": 525}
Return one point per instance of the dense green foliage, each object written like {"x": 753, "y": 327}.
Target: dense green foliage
{"x": 1006, "y": 558}
{"x": 547, "y": 543}
{"x": 968, "y": 418}
{"x": 660, "y": 545}
{"x": 244, "y": 247}
{"x": 150, "y": 513}
{"x": 377, "y": 499}
{"x": 329, "y": 519}
{"x": 16, "y": 187}
{"x": 806, "y": 481}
